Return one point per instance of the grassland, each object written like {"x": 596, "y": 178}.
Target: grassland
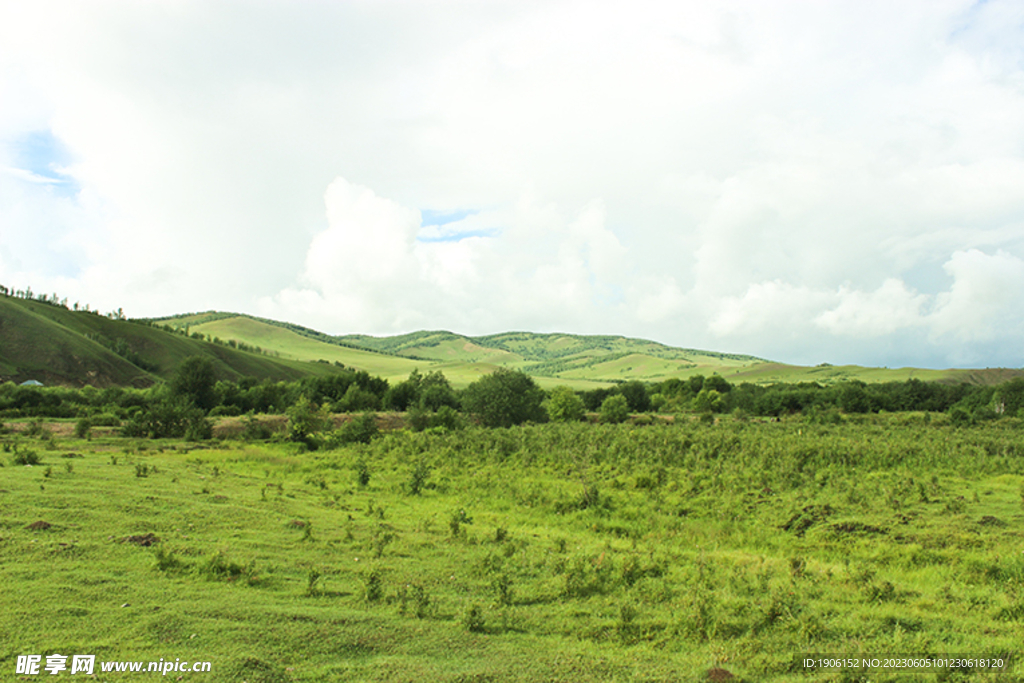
{"x": 57, "y": 346}
{"x": 542, "y": 553}
{"x": 580, "y": 361}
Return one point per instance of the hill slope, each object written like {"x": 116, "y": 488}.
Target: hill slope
{"x": 581, "y": 361}
{"x": 57, "y": 346}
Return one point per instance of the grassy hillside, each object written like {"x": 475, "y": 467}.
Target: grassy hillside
{"x": 580, "y": 361}
{"x": 443, "y": 351}
{"x": 57, "y": 346}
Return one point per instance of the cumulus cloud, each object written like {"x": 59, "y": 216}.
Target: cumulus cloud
{"x": 872, "y": 314}
{"x": 371, "y": 268}
{"x": 984, "y": 300}
{"x": 804, "y": 182}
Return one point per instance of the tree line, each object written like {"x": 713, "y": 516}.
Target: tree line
{"x": 501, "y": 399}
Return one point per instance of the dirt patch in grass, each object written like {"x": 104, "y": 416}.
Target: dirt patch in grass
{"x": 38, "y": 526}
{"x": 144, "y": 540}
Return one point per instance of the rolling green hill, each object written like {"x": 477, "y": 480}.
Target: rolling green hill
{"x": 580, "y": 361}
{"x": 56, "y": 346}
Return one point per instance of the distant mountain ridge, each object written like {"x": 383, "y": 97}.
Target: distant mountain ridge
{"x": 45, "y": 341}
{"x": 580, "y": 361}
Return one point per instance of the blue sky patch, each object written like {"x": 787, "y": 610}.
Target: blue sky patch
{"x": 40, "y": 155}
{"x": 443, "y": 217}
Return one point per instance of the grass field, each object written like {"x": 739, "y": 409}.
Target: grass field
{"x": 582, "y": 362}
{"x": 544, "y": 553}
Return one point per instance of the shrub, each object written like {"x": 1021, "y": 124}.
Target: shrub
{"x": 564, "y": 405}
{"x": 359, "y": 430}
{"x": 505, "y": 398}
{"x": 166, "y": 560}
{"x": 362, "y": 473}
{"x": 217, "y": 567}
{"x": 82, "y": 428}
{"x": 25, "y": 457}
{"x": 958, "y": 417}
{"x": 418, "y": 477}
{"x": 305, "y": 420}
{"x": 614, "y": 409}
{"x": 36, "y": 428}
{"x": 168, "y": 419}
{"x": 504, "y": 593}
{"x": 226, "y": 411}
{"x": 198, "y": 429}
{"x": 445, "y": 419}
{"x": 253, "y": 429}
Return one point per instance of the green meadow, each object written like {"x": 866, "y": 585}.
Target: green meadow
{"x": 678, "y": 550}
{"x": 579, "y": 361}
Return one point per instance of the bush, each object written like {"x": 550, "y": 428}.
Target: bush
{"x": 226, "y": 411}
{"x": 36, "y": 428}
{"x": 958, "y": 417}
{"x": 83, "y": 427}
{"x": 305, "y": 420}
{"x": 362, "y": 473}
{"x": 564, "y": 405}
{"x": 505, "y": 398}
{"x": 169, "y": 419}
{"x": 359, "y": 430}
{"x": 105, "y": 420}
{"x": 445, "y": 419}
{"x": 418, "y": 477}
{"x": 253, "y": 429}
{"x": 615, "y": 409}
{"x": 198, "y": 429}
{"x": 25, "y": 457}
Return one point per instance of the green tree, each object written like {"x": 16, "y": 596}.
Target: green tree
{"x": 405, "y": 394}
{"x": 435, "y": 392}
{"x": 564, "y": 405}
{"x": 305, "y": 419}
{"x": 708, "y": 401}
{"x": 357, "y": 399}
{"x": 194, "y": 381}
{"x": 718, "y": 383}
{"x": 615, "y": 409}
{"x": 1009, "y": 397}
{"x": 853, "y": 398}
{"x": 505, "y": 398}
{"x": 636, "y": 396}
{"x": 361, "y": 429}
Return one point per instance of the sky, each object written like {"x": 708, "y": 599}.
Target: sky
{"x": 802, "y": 181}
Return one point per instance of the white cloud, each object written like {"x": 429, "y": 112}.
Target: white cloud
{"x": 872, "y": 314}
{"x": 984, "y": 301}
{"x": 777, "y": 178}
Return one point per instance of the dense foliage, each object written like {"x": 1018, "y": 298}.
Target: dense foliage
{"x": 503, "y": 398}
